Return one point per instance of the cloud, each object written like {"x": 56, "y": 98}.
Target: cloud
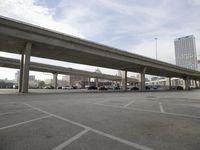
{"x": 29, "y": 11}
{"x": 130, "y": 25}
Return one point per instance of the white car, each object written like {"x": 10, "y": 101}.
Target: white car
{"x": 67, "y": 87}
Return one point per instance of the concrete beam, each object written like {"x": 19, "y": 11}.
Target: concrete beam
{"x": 26, "y": 65}
{"x": 21, "y": 73}
{"x": 124, "y": 80}
{"x": 55, "y": 80}
{"x": 97, "y": 82}
{"x": 186, "y": 84}
{"x": 89, "y": 82}
{"x": 142, "y": 79}
{"x": 168, "y": 83}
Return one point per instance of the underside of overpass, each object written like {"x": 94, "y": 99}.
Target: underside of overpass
{"x": 28, "y": 40}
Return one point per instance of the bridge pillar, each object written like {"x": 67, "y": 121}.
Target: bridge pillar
{"x": 168, "y": 83}
{"x": 89, "y": 81}
{"x": 55, "y": 80}
{"x": 96, "y": 82}
{"x": 24, "y": 70}
{"x": 21, "y": 73}
{"x": 142, "y": 79}
{"x": 186, "y": 84}
{"x": 124, "y": 80}
{"x": 197, "y": 84}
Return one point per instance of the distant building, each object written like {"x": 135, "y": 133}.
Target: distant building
{"x": 17, "y": 75}
{"x": 32, "y": 81}
{"x": 31, "y": 77}
{"x": 78, "y": 80}
{"x": 185, "y": 52}
{"x": 198, "y": 65}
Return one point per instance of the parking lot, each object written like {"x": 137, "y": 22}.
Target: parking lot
{"x": 100, "y": 121}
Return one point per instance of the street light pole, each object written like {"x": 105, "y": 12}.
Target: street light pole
{"x": 156, "y": 48}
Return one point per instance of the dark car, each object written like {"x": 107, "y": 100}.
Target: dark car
{"x": 148, "y": 87}
{"x": 102, "y": 88}
{"x": 92, "y": 88}
{"x": 179, "y": 88}
{"x": 134, "y": 88}
{"x": 116, "y": 88}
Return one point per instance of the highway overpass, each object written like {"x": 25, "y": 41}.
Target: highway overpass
{"x": 55, "y": 70}
{"x": 29, "y": 40}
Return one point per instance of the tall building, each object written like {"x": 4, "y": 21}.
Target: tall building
{"x": 185, "y": 52}
{"x": 198, "y": 65}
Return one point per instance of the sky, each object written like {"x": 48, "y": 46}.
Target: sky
{"x": 130, "y": 25}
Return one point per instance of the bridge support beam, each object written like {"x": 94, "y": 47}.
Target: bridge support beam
{"x": 24, "y": 68}
{"x": 186, "y": 84}
{"x": 21, "y": 72}
{"x": 142, "y": 79}
{"x": 124, "y": 80}
{"x": 197, "y": 84}
{"x": 55, "y": 80}
{"x": 169, "y": 83}
{"x": 89, "y": 81}
{"x": 97, "y": 82}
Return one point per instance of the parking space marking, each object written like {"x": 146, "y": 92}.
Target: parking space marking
{"x": 131, "y": 102}
{"x": 13, "y": 112}
{"x": 151, "y": 111}
{"x": 161, "y": 107}
{"x": 132, "y": 144}
{"x": 74, "y": 138}
{"x": 25, "y": 122}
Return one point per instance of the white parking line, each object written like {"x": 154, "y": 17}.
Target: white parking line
{"x": 151, "y": 111}
{"x": 132, "y": 144}
{"x": 13, "y": 112}
{"x": 74, "y": 138}
{"x": 131, "y": 102}
{"x": 25, "y": 122}
{"x": 161, "y": 108}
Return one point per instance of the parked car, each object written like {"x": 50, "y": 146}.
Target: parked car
{"x": 102, "y": 88}
{"x": 116, "y": 88}
{"x": 147, "y": 87}
{"x": 179, "y": 88}
{"x": 67, "y": 87}
{"x": 49, "y": 87}
{"x": 92, "y": 88}
{"x": 134, "y": 88}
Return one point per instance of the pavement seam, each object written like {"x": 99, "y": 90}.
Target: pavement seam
{"x": 71, "y": 140}
{"x": 126, "y": 142}
{"x": 25, "y": 122}
{"x": 138, "y": 109}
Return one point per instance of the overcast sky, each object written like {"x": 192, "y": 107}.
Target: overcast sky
{"x": 131, "y": 25}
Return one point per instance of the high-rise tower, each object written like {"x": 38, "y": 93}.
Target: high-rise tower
{"x": 185, "y": 52}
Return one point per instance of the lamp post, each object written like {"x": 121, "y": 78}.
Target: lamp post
{"x": 156, "y": 48}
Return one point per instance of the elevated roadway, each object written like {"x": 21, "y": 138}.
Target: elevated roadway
{"x": 14, "y": 63}
{"x": 29, "y": 40}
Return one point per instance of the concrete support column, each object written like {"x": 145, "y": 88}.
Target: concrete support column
{"x": 124, "y": 80}
{"x": 96, "y": 82}
{"x": 55, "y": 80}
{"x": 169, "y": 84}
{"x": 186, "y": 84}
{"x": 26, "y": 65}
{"x": 197, "y": 84}
{"x": 89, "y": 81}
{"x": 21, "y": 73}
{"x": 142, "y": 79}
